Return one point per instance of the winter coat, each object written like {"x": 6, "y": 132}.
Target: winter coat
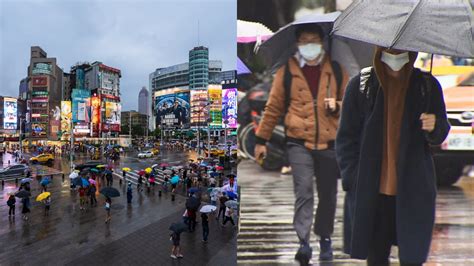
{"x": 304, "y": 120}
{"x": 359, "y": 144}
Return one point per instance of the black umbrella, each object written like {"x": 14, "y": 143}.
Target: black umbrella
{"x": 110, "y": 192}
{"x": 178, "y": 227}
{"x": 193, "y": 203}
{"x": 23, "y": 194}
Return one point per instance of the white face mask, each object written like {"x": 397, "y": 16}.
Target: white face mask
{"x": 395, "y": 61}
{"x": 310, "y": 51}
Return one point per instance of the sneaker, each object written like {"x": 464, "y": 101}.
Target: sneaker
{"x": 326, "y": 249}
{"x": 173, "y": 256}
{"x": 305, "y": 252}
{"x": 286, "y": 170}
{"x": 180, "y": 256}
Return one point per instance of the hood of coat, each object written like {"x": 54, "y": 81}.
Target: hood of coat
{"x": 382, "y": 70}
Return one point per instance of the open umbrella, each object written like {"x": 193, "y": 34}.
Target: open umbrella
{"x": 435, "y": 27}
{"x": 101, "y": 166}
{"x": 95, "y": 170}
{"x": 82, "y": 182}
{"x": 353, "y": 55}
{"x": 26, "y": 180}
{"x": 168, "y": 171}
{"x": 193, "y": 203}
{"x": 148, "y": 170}
{"x": 141, "y": 172}
{"x": 73, "y": 175}
{"x": 208, "y": 208}
{"x": 110, "y": 192}
{"x": 219, "y": 168}
{"x": 154, "y": 166}
{"x": 178, "y": 227}
{"x": 43, "y": 196}
{"x": 248, "y": 32}
{"x": 45, "y": 182}
{"x": 92, "y": 181}
{"x": 174, "y": 180}
{"x": 164, "y": 164}
{"x": 126, "y": 169}
{"x": 242, "y": 68}
{"x": 233, "y": 204}
{"x": 23, "y": 194}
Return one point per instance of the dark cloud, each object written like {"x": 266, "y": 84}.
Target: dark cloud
{"x": 134, "y": 36}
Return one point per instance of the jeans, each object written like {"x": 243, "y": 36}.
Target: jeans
{"x": 305, "y": 165}
{"x": 228, "y": 218}
{"x": 221, "y": 210}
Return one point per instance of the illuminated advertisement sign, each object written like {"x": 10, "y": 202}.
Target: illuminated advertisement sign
{"x": 80, "y": 104}
{"x": 55, "y": 122}
{"x": 215, "y": 109}
{"x": 66, "y": 116}
{"x": 39, "y": 81}
{"x": 172, "y": 110}
{"x": 10, "y": 113}
{"x": 38, "y": 129}
{"x": 95, "y": 113}
{"x": 42, "y": 68}
{"x": 199, "y": 111}
{"x": 229, "y": 107}
{"x": 112, "y": 112}
{"x": 81, "y": 128}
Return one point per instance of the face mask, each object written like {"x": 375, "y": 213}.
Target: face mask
{"x": 310, "y": 51}
{"x": 395, "y": 61}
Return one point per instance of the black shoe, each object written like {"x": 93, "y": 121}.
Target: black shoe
{"x": 326, "y": 249}
{"x": 305, "y": 252}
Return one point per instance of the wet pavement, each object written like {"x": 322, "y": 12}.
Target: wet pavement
{"x": 137, "y": 232}
{"x": 267, "y": 237}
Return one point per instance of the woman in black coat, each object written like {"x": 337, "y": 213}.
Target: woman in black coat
{"x": 359, "y": 145}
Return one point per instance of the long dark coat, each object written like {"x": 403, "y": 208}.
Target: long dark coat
{"x": 359, "y": 145}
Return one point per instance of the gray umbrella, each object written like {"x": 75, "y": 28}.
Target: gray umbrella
{"x": 436, "y": 27}
{"x": 351, "y": 54}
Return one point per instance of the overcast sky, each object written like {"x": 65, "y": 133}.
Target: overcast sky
{"x": 136, "y": 36}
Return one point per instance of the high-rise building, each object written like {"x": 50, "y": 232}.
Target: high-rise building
{"x": 198, "y": 68}
{"x": 143, "y": 101}
{"x": 45, "y": 80}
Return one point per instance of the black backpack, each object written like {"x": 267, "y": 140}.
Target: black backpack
{"x": 288, "y": 77}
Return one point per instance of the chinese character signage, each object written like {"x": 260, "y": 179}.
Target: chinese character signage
{"x": 9, "y": 113}
{"x": 215, "y": 108}
{"x": 229, "y": 107}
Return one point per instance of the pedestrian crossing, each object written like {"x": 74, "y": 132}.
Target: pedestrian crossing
{"x": 132, "y": 176}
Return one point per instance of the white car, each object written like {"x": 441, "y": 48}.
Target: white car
{"x": 145, "y": 154}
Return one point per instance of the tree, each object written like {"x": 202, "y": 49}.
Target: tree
{"x": 137, "y": 131}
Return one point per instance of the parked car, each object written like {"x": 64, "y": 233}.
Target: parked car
{"x": 145, "y": 154}
{"x": 457, "y": 150}
{"x": 89, "y": 164}
{"x": 13, "y": 171}
{"x": 42, "y": 158}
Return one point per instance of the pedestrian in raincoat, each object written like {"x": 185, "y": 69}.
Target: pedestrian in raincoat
{"x": 392, "y": 112}
{"x": 129, "y": 193}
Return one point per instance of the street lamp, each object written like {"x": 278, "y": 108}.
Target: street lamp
{"x": 20, "y": 137}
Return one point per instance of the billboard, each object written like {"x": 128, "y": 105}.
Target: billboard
{"x": 42, "y": 68}
{"x": 95, "y": 114}
{"x": 41, "y": 81}
{"x": 172, "y": 110}
{"x": 112, "y": 114}
{"x": 108, "y": 81}
{"x": 215, "y": 109}
{"x": 39, "y": 129}
{"x": 54, "y": 122}
{"x": 66, "y": 116}
{"x": 229, "y": 107}
{"x": 80, "y": 104}
{"x": 10, "y": 111}
{"x": 199, "y": 111}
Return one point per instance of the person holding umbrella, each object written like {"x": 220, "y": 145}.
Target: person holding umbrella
{"x": 392, "y": 112}
{"x": 92, "y": 191}
{"x": 175, "y": 237}
{"x": 108, "y": 205}
{"x": 310, "y": 138}
{"x": 11, "y": 205}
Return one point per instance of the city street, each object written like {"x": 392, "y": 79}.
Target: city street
{"x": 267, "y": 237}
{"x": 137, "y": 234}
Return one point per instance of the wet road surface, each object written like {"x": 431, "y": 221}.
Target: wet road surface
{"x": 137, "y": 232}
{"x": 267, "y": 237}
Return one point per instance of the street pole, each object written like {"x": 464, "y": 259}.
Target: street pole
{"x": 208, "y": 138}
{"x": 21, "y": 146}
{"x": 199, "y": 133}
{"x": 71, "y": 153}
{"x": 130, "y": 126}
